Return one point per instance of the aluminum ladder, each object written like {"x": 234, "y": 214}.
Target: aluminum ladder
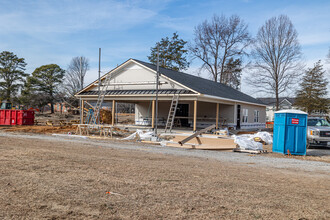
{"x": 97, "y": 108}
{"x": 171, "y": 113}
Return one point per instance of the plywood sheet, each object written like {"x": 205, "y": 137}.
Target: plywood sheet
{"x": 207, "y": 143}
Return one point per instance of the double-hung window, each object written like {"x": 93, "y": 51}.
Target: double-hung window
{"x": 245, "y": 115}
{"x": 256, "y": 116}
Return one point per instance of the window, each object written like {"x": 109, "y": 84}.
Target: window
{"x": 256, "y": 116}
{"x": 245, "y": 115}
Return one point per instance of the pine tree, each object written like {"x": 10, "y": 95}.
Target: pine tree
{"x": 313, "y": 90}
{"x": 172, "y": 53}
{"x": 11, "y": 74}
{"x": 232, "y": 73}
{"x": 47, "y": 79}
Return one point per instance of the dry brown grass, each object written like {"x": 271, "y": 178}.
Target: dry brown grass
{"x": 56, "y": 180}
{"x": 40, "y": 129}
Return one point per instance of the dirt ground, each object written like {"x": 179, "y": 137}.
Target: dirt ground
{"x": 314, "y": 154}
{"x": 41, "y": 129}
{"x": 47, "y": 179}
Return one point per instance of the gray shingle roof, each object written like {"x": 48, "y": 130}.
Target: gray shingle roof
{"x": 203, "y": 86}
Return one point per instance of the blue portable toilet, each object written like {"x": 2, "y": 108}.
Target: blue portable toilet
{"x": 290, "y": 130}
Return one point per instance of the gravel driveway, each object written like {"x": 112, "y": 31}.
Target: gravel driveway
{"x": 231, "y": 157}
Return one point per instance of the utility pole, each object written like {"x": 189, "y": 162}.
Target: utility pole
{"x": 81, "y": 74}
{"x": 99, "y": 69}
{"x": 157, "y": 83}
{"x": 81, "y": 87}
{"x": 99, "y": 83}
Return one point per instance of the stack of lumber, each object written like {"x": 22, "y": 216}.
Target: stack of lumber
{"x": 105, "y": 116}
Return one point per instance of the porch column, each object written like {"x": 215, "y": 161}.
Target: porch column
{"x": 153, "y": 114}
{"x": 217, "y": 117}
{"x": 235, "y": 116}
{"x": 82, "y": 112}
{"x": 113, "y": 112}
{"x": 195, "y": 114}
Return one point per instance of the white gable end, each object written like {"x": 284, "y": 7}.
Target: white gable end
{"x": 136, "y": 77}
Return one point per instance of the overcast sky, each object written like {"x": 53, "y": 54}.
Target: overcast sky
{"x": 54, "y": 31}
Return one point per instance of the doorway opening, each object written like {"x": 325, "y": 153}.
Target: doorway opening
{"x": 238, "y": 122}
{"x": 182, "y": 114}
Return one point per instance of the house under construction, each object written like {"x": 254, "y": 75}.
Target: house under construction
{"x": 184, "y": 100}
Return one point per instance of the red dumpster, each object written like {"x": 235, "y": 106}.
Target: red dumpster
{"x": 16, "y": 117}
{"x": 13, "y": 119}
{"x": 25, "y": 117}
{"x": 5, "y": 116}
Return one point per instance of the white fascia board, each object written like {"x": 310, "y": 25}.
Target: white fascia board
{"x": 135, "y": 83}
{"x": 231, "y": 100}
{"x": 169, "y": 79}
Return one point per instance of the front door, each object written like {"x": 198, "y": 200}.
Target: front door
{"x": 182, "y": 112}
{"x": 238, "y": 122}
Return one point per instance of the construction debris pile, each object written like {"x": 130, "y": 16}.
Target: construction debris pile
{"x": 253, "y": 141}
{"x": 139, "y": 135}
{"x": 220, "y": 140}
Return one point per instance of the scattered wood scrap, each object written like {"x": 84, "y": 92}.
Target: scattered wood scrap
{"x": 206, "y": 142}
{"x": 250, "y": 151}
{"x": 195, "y": 135}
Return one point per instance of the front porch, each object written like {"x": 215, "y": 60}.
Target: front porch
{"x": 190, "y": 114}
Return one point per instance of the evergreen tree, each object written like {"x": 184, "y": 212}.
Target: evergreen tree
{"x": 172, "y": 53}
{"x": 11, "y": 74}
{"x": 31, "y": 97}
{"x": 312, "y": 94}
{"x": 232, "y": 73}
{"x": 47, "y": 79}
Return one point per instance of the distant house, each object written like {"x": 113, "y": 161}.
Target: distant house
{"x": 285, "y": 103}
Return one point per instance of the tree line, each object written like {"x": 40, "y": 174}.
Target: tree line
{"x": 273, "y": 58}
{"x": 46, "y": 85}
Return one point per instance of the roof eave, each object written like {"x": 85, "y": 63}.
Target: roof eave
{"x": 232, "y": 100}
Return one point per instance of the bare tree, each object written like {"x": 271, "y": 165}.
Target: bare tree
{"x": 328, "y": 56}
{"x": 276, "y": 55}
{"x": 75, "y": 74}
{"x": 219, "y": 40}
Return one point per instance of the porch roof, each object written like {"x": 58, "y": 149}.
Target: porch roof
{"x": 140, "y": 91}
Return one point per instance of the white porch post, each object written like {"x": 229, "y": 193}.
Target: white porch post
{"x": 113, "y": 112}
{"x": 82, "y": 111}
{"x": 217, "y": 117}
{"x": 235, "y": 116}
{"x": 195, "y": 114}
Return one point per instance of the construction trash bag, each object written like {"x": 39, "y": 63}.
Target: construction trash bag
{"x": 246, "y": 142}
{"x": 265, "y": 136}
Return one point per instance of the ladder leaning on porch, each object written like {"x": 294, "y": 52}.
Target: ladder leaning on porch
{"x": 97, "y": 108}
{"x": 171, "y": 113}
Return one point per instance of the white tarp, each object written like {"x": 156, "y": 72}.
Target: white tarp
{"x": 265, "y": 136}
{"x": 246, "y": 142}
{"x": 140, "y": 135}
